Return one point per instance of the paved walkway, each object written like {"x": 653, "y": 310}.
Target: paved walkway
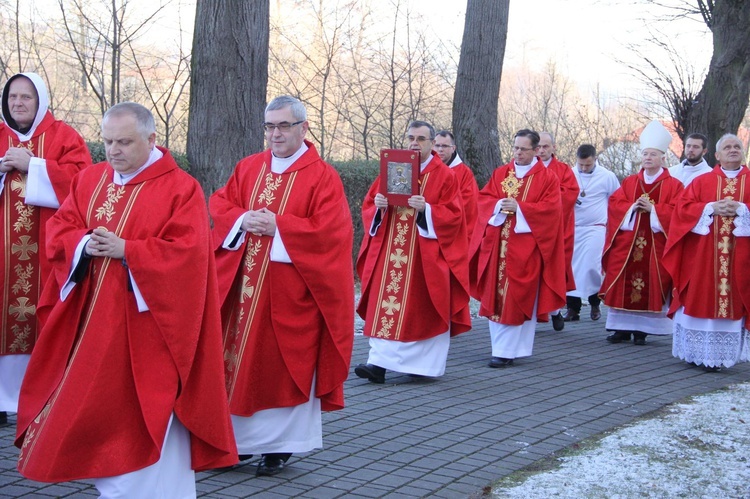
{"x": 453, "y": 436}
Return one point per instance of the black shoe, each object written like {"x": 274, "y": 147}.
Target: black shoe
{"x": 558, "y": 322}
{"x": 571, "y": 315}
{"x": 245, "y": 457}
{"x": 619, "y": 337}
{"x": 3, "y": 418}
{"x": 497, "y": 362}
{"x": 596, "y": 313}
{"x": 271, "y": 464}
{"x": 639, "y": 338}
{"x": 373, "y": 373}
{"x": 714, "y": 369}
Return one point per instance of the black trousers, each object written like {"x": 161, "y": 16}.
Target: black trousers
{"x": 574, "y": 303}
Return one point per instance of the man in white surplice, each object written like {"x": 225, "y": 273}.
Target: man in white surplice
{"x": 694, "y": 164}
{"x": 597, "y": 184}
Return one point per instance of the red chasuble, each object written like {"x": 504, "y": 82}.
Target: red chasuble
{"x": 708, "y": 270}
{"x": 469, "y": 193}
{"x": 415, "y": 288}
{"x": 635, "y": 278}
{"x": 285, "y": 322}
{"x": 568, "y": 194}
{"x": 104, "y": 378}
{"x": 508, "y": 268}
{"x": 25, "y": 267}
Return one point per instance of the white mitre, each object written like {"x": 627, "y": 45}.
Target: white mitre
{"x": 655, "y": 136}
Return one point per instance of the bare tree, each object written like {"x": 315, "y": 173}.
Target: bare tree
{"x": 721, "y": 103}
{"x": 480, "y": 68}
{"x": 228, "y": 87}
{"x": 98, "y": 43}
{"x": 166, "y": 90}
{"x": 719, "y": 106}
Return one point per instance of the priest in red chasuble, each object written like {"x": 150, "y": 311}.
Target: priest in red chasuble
{"x": 445, "y": 148}
{"x": 636, "y": 285}
{"x": 568, "y": 196}
{"x": 707, "y": 254}
{"x": 125, "y": 384}
{"x": 413, "y": 268}
{"x": 517, "y": 251}
{"x": 283, "y": 241}
{"x": 38, "y": 158}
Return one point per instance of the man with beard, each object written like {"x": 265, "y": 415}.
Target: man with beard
{"x": 694, "y": 164}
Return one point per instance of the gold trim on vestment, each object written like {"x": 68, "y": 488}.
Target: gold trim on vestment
{"x": 39, "y": 423}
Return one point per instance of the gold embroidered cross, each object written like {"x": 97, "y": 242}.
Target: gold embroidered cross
{"x": 24, "y": 247}
{"x": 230, "y": 358}
{"x": 22, "y": 309}
{"x": 724, "y": 245}
{"x": 19, "y": 185}
{"x": 404, "y": 212}
{"x": 390, "y": 305}
{"x": 503, "y": 248}
{"x": 399, "y": 258}
{"x": 247, "y": 289}
{"x": 724, "y": 286}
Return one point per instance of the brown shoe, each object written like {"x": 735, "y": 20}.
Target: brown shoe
{"x": 596, "y": 313}
{"x": 572, "y": 315}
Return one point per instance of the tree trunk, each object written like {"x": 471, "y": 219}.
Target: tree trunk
{"x": 723, "y": 99}
{"x": 228, "y": 87}
{"x": 477, "y": 91}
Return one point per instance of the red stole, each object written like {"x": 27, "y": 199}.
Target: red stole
{"x": 568, "y": 195}
{"x": 706, "y": 269}
{"x": 248, "y": 301}
{"x": 395, "y": 275}
{"x": 21, "y": 279}
{"x": 508, "y": 269}
{"x": 635, "y": 278}
{"x": 109, "y": 208}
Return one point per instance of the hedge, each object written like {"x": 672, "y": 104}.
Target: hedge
{"x": 357, "y": 176}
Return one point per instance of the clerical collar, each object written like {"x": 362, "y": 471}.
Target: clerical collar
{"x": 649, "y": 179}
{"x": 547, "y": 163}
{"x": 452, "y": 161}
{"x": 522, "y": 170}
{"x": 280, "y": 165}
{"x": 425, "y": 163}
{"x": 122, "y": 179}
{"x": 732, "y": 173}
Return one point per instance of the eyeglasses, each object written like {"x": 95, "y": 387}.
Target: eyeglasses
{"x": 284, "y": 126}
{"x": 443, "y": 146}
{"x": 411, "y": 138}
{"x": 522, "y": 149}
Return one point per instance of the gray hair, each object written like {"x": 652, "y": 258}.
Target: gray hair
{"x": 726, "y": 137}
{"x": 419, "y": 124}
{"x": 551, "y": 137}
{"x": 283, "y": 101}
{"x": 143, "y": 117}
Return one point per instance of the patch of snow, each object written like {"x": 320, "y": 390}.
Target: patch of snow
{"x": 696, "y": 449}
